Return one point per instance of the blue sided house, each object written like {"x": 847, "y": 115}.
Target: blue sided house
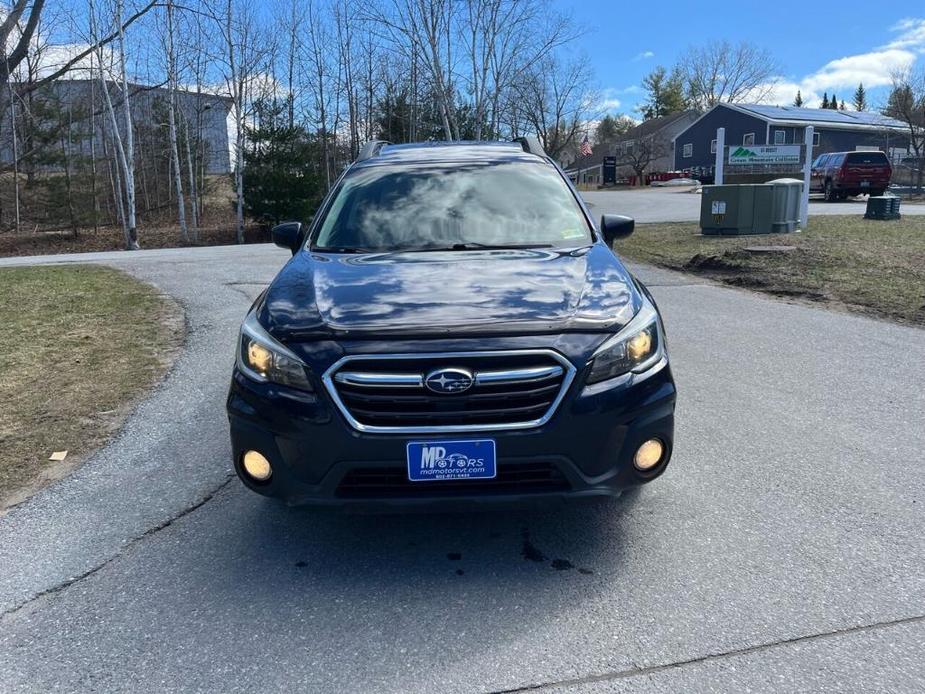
{"x": 758, "y": 124}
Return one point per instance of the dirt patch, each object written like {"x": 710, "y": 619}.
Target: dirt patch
{"x": 81, "y": 346}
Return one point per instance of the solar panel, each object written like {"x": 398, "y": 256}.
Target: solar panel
{"x": 820, "y": 115}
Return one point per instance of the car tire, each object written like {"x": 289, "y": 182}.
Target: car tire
{"x": 829, "y": 191}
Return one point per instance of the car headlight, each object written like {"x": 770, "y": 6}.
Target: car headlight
{"x": 263, "y": 358}
{"x": 637, "y": 347}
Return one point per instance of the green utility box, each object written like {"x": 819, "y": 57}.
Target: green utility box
{"x": 882, "y": 207}
{"x": 736, "y": 209}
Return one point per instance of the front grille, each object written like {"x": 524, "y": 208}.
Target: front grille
{"x": 510, "y": 390}
{"x": 393, "y": 482}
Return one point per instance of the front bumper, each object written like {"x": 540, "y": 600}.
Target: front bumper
{"x": 586, "y": 448}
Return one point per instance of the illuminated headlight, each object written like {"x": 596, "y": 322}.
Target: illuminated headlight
{"x": 263, "y": 359}
{"x": 638, "y": 347}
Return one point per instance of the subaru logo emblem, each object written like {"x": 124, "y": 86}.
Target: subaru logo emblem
{"x": 447, "y": 381}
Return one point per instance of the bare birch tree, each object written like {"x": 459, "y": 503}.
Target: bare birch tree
{"x": 721, "y": 71}
{"x": 557, "y": 102}
{"x": 129, "y": 151}
{"x": 243, "y": 57}
{"x": 172, "y": 79}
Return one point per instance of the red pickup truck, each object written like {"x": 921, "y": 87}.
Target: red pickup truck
{"x": 840, "y": 174}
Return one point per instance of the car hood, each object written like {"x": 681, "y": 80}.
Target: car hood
{"x": 450, "y": 293}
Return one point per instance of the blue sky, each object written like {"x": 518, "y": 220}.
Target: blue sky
{"x": 821, "y": 47}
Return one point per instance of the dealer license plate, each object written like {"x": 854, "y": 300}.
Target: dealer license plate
{"x": 451, "y": 460}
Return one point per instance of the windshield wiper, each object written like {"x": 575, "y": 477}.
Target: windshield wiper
{"x": 341, "y": 249}
{"x": 475, "y": 246}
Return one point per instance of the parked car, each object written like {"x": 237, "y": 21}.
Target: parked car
{"x": 840, "y": 174}
{"x": 451, "y": 327}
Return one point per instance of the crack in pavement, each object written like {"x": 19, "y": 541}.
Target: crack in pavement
{"x": 64, "y": 585}
{"x": 710, "y": 657}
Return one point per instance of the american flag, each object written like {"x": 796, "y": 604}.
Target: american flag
{"x": 585, "y": 147}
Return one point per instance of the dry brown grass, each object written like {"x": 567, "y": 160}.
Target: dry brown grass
{"x": 872, "y": 267}
{"x": 79, "y": 345}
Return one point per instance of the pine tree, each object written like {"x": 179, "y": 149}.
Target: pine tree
{"x": 665, "y": 93}
{"x": 842, "y": 107}
{"x": 833, "y": 104}
{"x": 860, "y": 98}
{"x": 281, "y": 177}
{"x": 798, "y": 102}
{"x": 825, "y": 100}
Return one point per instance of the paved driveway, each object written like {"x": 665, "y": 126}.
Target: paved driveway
{"x": 680, "y": 205}
{"x": 783, "y": 550}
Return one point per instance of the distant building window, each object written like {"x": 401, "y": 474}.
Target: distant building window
{"x": 780, "y": 137}
{"x": 815, "y": 139}
{"x": 688, "y": 151}
{"x": 712, "y": 146}
{"x": 748, "y": 139}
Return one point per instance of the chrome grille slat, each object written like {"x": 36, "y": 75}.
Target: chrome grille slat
{"x": 518, "y": 375}
{"x": 380, "y": 380}
{"x": 514, "y": 389}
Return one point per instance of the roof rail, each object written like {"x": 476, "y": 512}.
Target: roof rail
{"x": 371, "y": 149}
{"x": 531, "y": 144}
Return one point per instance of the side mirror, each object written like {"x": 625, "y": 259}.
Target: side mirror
{"x": 288, "y": 235}
{"x": 616, "y": 226}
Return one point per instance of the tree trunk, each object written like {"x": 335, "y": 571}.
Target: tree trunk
{"x": 130, "y": 242}
{"x": 16, "y": 212}
{"x": 129, "y": 154}
{"x": 194, "y": 202}
{"x": 172, "y": 125}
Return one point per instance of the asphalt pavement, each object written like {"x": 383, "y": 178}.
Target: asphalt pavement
{"x": 679, "y": 204}
{"x": 782, "y": 550}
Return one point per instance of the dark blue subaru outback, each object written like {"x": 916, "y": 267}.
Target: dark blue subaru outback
{"x": 451, "y": 327}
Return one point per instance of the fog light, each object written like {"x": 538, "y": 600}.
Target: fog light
{"x": 257, "y": 466}
{"x": 649, "y": 454}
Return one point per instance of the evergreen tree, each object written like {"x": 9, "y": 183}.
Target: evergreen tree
{"x": 283, "y": 177}
{"x": 825, "y": 100}
{"x": 611, "y": 128}
{"x": 860, "y": 98}
{"x": 798, "y": 102}
{"x": 842, "y": 107}
{"x": 665, "y": 93}
{"x": 833, "y": 104}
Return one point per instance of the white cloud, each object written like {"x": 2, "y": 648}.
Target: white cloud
{"x": 911, "y": 34}
{"x": 643, "y": 56}
{"x": 874, "y": 69}
{"x": 609, "y": 99}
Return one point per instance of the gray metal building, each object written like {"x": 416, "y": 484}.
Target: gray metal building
{"x": 206, "y": 116}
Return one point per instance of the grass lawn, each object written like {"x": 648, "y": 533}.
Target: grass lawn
{"x": 79, "y": 345}
{"x": 868, "y": 266}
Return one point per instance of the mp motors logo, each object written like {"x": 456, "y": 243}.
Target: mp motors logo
{"x": 451, "y": 460}
{"x": 437, "y": 458}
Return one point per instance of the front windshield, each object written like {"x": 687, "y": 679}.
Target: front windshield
{"x": 453, "y": 205}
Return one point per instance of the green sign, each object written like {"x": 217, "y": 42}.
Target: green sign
{"x": 762, "y": 154}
